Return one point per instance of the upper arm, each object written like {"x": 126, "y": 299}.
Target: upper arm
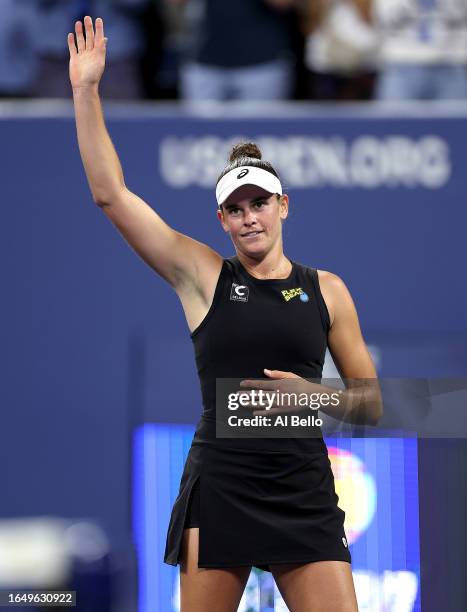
{"x": 179, "y": 259}
{"x": 345, "y": 340}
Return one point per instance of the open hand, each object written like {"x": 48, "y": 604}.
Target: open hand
{"x": 87, "y": 55}
{"x": 284, "y": 393}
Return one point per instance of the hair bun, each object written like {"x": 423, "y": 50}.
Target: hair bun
{"x": 245, "y": 149}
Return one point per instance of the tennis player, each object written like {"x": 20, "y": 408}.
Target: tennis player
{"x": 262, "y": 318}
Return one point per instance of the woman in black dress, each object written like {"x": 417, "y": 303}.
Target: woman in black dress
{"x": 265, "y": 502}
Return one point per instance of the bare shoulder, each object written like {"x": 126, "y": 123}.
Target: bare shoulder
{"x": 334, "y": 291}
{"x": 329, "y": 281}
{"x": 328, "y": 278}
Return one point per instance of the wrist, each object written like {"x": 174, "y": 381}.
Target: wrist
{"x": 91, "y": 89}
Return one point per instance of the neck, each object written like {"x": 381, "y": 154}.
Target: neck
{"x": 272, "y": 265}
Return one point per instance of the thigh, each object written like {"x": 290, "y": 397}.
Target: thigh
{"x": 322, "y": 586}
{"x": 208, "y": 589}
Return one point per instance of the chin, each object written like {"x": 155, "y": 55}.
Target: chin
{"x": 255, "y": 249}
{"x": 252, "y": 251}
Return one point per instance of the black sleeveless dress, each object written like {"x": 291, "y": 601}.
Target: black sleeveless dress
{"x": 258, "y": 501}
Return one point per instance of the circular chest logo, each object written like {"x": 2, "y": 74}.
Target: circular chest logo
{"x": 243, "y": 173}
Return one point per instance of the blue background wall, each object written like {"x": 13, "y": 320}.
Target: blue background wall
{"x": 92, "y": 341}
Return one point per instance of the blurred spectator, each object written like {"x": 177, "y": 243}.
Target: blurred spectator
{"x": 341, "y": 49}
{"x": 18, "y": 62}
{"x": 238, "y": 50}
{"x": 164, "y": 35}
{"x": 424, "y": 49}
{"x": 123, "y": 28}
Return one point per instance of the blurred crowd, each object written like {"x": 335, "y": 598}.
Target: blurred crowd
{"x": 244, "y": 49}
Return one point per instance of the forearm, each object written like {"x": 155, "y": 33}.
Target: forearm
{"x": 100, "y": 160}
{"x": 358, "y": 405}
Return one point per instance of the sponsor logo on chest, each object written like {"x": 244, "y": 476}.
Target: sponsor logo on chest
{"x": 239, "y": 293}
{"x": 289, "y": 294}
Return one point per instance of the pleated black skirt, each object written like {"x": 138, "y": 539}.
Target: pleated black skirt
{"x": 257, "y": 504}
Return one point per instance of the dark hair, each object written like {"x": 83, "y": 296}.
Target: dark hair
{"x": 246, "y": 154}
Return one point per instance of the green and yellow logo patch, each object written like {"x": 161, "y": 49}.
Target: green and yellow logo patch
{"x": 288, "y": 294}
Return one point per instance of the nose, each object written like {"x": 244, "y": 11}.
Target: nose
{"x": 249, "y": 217}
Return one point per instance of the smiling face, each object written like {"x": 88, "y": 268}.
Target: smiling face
{"x": 255, "y": 225}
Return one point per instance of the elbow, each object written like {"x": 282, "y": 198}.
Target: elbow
{"x": 106, "y": 189}
{"x": 101, "y": 197}
{"x": 104, "y": 198}
{"x": 367, "y": 406}
{"x": 368, "y": 413}
{"x": 100, "y": 202}
{"x": 375, "y": 415}
{"x": 374, "y": 406}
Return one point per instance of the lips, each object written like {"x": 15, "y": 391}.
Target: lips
{"x": 254, "y": 233}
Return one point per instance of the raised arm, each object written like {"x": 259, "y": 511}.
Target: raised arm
{"x": 179, "y": 259}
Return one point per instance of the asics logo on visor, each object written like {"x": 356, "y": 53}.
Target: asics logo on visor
{"x": 243, "y": 173}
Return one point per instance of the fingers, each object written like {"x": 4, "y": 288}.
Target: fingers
{"x": 72, "y": 45}
{"x": 89, "y": 33}
{"x": 279, "y": 374}
{"x": 258, "y": 384}
{"x": 88, "y": 42}
{"x": 99, "y": 37}
{"x": 250, "y": 384}
{"x": 80, "y": 37}
{"x": 270, "y": 412}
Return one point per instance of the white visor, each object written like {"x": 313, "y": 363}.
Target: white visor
{"x": 261, "y": 182}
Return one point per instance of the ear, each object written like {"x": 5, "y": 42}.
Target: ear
{"x": 220, "y": 216}
{"x": 284, "y": 206}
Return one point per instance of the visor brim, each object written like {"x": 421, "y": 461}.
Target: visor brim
{"x": 246, "y": 192}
